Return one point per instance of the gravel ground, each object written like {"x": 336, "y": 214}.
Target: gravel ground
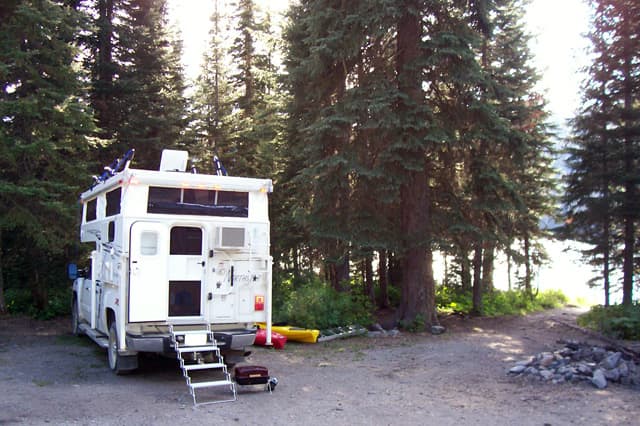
{"x": 48, "y": 376}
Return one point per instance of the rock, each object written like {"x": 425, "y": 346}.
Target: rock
{"x": 437, "y": 329}
{"x": 526, "y": 362}
{"x": 612, "y": 375}
{"x": 378, "y": 327}
{"x": 578, "y": 362}
{"x": 517, "y": 369}
{"x": 546, "y": 359}
{"x": 566, "y": 352}
{"x": 611, "y": 361}
{"x": 546, "y": 374}
{"x": 572, "y": 344}
{"x": 394, "y": 333}
{"x": 598, "y": 354}
{"x": 598, "y": 380}
{"x": 584, "y": 369}
{"x": 376, "y": 334}
{"x": 623, "y": 369}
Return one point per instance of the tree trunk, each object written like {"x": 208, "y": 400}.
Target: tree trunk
{"x": 629, "y": 209}
{"x": 465, "y": 271}
{"x": 339, "y": 273}
{"x": 418, "y": 290}
{"x": 488, "y": 257}
{"x": 3, "y": 305}
{"x": 368, "y": 280}
{"x": 477, "y": 280}
{"x": 509, "y": 267}
{"x": 527, "y": 266}
{"x": 383, "y": 279}
{"x": 606, "y": 236}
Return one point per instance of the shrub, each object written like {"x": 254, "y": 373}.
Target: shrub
{"x": 498, "y": 302}
{"x": 317, "y": 305}
{"x": 20, "y": 301}
{"x": 618, "y": 321}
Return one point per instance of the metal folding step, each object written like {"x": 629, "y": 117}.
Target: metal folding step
{"x": 196, "y": 343}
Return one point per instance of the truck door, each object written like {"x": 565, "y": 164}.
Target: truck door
{"x": 187, "y": 266}
{"x": 148, "y": 283}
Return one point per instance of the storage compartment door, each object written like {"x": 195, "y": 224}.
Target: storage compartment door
{"x": 148, "y": 283}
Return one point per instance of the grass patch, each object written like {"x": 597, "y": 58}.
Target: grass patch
{"x": 618, "y": 321}
{"x": 42, "y": 383}
{"x": 498, "y": 303}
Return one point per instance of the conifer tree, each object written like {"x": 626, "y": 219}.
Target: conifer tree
{"x": 602, "y": 192}
{"x": 211, "y": 102}
{"x": 43, "y": 137}
{"x": 253, "y": 126}
{"x": 151, "y": 84}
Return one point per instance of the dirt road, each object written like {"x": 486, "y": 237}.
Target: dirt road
{"x": 48, "y": 376}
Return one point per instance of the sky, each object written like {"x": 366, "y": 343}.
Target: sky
{"x": 558, "y": 45}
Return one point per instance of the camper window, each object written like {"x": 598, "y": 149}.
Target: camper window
{"x": 113, "y": 201}
{"x": 186, "y": 241}
{"x": 149, "y": 243}
{"x": 198, "y": 202}
{"x": 112, "y": 231}
{"x": 91, "y": 209}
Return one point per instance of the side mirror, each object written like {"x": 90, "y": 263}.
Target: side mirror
{"x": 72, "y": 271}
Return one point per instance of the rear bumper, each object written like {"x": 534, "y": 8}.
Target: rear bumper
{"x": 228, "y": 340}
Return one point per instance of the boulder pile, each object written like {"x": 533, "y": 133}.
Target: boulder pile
{"x": 578, "y": 362}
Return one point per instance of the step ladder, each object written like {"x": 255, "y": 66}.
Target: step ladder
{"x": 198, "y": 351}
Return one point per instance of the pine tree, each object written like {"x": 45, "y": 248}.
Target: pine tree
{"x": 603, "y": 184}
{"x": 254, "y": 124}
{"x": 527, "y": 156}
{"x": 151, "y": 84}
{"x": 211, "y": 101}
{"x": 44, "y": 134}
{"x": 104, "y": 67}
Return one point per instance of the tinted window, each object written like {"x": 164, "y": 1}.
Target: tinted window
{"x": 184, "y": 298}
{"x": 112, "y": 231}
{"x": 91, "y": 210}
{"x": 186, "y": 240}
{"x": 202, "y": 202}
{"x": 113, "y": 201}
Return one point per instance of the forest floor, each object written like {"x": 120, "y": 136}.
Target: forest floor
{"x": 48, "y": 376}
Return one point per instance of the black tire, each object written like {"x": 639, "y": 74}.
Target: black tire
{"x": 75, "y": 319}
{"x": 119, "y": 364}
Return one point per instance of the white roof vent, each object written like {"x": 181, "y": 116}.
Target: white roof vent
{"x": 173, "y": 161}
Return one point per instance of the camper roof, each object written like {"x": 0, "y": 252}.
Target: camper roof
{"x": 179, "y": 180}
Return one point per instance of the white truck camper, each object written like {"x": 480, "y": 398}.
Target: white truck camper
{"x": 181, "y": 265}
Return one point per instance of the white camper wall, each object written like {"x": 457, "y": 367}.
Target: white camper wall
{"x": 258, "y": 206}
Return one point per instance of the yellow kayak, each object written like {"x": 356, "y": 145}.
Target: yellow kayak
{"x": 294, "y": 334}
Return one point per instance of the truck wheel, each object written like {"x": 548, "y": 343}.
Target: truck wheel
{"x": 75, "y": 319}
{"x": 119, "y": 364}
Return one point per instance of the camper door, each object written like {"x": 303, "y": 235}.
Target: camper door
{"x": 148, "y": 283}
